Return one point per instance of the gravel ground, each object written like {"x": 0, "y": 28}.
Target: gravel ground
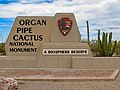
{"x": 64, "y": 84}
{"x": 55, "y": 72}
{"x": 73, "y": 85}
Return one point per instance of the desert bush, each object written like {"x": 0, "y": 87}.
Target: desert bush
{"x": 93, "y": 47}
{"x": 95, "y": 50}
{"x": 117, "y": 51}
{"x": 2, "y": 48}
{"x": 83, "y": 40}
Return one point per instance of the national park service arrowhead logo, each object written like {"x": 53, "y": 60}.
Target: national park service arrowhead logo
{"x": 65, "y": 25}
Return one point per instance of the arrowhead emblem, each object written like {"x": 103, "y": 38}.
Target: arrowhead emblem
{"x": 65, "y": 25}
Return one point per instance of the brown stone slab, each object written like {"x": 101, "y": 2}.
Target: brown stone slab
{"x": 33, "y": 31}
{"x": 72, "y": 36}
{"x": 58, "y": 74}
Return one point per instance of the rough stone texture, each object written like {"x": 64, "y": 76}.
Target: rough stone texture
{"x": 96, "y": 62}
{"x": 78, "y": 63}
{"x": 44, "y": 30}
{"x": 52, "y": 39}
{"x": 72, "y": 36}
{"x": 59, "y": 61}
{"x": 17, "y": 61}
{"x": 73, "y": 85}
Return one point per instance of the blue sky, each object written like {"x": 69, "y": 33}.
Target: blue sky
{"x": 101, "y": 14}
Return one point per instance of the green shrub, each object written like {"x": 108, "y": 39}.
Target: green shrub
{"x": 2, "y": 48}
{"x": 93, "y": 47}
{"x": 117, "y": 51}
{"x": 95, "y": 50}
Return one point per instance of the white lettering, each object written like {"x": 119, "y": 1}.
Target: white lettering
{"x": 65, "y": 51}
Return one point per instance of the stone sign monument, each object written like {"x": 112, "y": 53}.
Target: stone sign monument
{"x": 52, "y": 40}
{"x": 27, "y": 33}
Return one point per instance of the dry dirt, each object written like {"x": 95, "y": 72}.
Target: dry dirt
{"x": 55, "y": 72}
{"x": 65, "y": 84}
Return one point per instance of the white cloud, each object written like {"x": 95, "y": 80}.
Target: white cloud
{"x": 84, "y": 7}
{"x": 103, "y": 13}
